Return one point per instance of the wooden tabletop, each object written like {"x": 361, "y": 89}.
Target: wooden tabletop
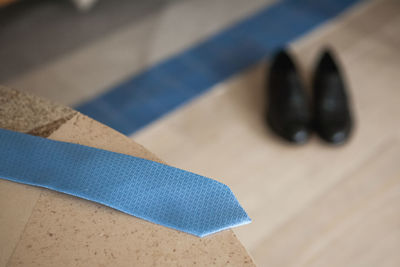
{"x": 40, "y": 227}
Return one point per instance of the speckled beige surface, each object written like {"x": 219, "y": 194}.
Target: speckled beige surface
{"x": 45, "y": 228}
{"x": 24, "y": 112}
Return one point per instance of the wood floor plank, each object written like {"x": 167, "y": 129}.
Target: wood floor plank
{"x": 349, "y": 225}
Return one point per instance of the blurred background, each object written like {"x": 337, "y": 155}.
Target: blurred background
{"x": 187, "y": 80}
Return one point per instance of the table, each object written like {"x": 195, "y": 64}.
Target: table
{"x": 47, "y": 228}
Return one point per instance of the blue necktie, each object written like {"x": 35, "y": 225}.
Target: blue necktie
{"x": 146, "y": 189}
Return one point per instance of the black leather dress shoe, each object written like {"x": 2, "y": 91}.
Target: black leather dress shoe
{"x": 333, "y": 120}
{"x": 288, "y": 112}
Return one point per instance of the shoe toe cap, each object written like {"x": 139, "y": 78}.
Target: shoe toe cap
{"x": 337, "y": 135}
{"x": 297, "y": 134}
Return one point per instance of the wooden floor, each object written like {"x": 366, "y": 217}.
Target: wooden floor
{"x": 312, "y": 205}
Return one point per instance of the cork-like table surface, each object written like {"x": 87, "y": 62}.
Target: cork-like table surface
{"x": 39, "y": 227}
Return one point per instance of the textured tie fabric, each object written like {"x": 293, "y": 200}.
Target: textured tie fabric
{"x": 146, "y": 189}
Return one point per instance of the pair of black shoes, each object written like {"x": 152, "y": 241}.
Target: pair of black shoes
{"x": 290, "y": 114}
